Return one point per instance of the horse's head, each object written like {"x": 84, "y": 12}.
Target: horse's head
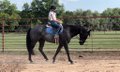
{"x": 84, "y": 33}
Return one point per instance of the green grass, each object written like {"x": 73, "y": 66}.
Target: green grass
{"x": 97, "y": 40}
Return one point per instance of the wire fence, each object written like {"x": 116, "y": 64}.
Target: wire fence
{"x": 98, "y": 41}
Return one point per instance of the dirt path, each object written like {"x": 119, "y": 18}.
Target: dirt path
{"x": 90, "y": 62}
{"x": 84, "y": 66}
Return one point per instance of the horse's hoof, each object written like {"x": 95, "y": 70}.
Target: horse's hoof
{"x": 47, "y": 59}
{"x": 71, "y": 62}
{"x": 31, "y": 61}
{"x": 80, "y": 56}
{"x": 53, "y": 62}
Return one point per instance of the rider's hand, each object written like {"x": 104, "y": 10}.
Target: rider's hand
{"x": 61, "y": 22}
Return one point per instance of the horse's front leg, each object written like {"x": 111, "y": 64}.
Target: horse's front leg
{"x": 67, "y": 51}
{"x": 57, "y": 51}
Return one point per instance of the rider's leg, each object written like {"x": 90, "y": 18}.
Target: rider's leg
{"x": 61, "y": 28}
{"x": 56, "y": 25}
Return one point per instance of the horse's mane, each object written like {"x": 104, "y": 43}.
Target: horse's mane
{"x": 74, "y": 27}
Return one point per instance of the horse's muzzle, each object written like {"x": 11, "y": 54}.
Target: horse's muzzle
{"x": 81, "y": 42}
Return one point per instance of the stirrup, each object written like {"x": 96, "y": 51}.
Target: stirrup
{"x": 56, "y": 37}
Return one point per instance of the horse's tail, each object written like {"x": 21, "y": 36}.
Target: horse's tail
{"x": 28, "y": 40}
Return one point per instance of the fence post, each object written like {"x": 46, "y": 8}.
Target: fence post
{"x": 3, "y": 35}
{"x": 92, "y": 42}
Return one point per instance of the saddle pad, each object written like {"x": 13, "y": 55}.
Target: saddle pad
{"x": 50, "y": 30}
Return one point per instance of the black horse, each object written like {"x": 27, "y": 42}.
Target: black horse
{"x": 38, "y": 34}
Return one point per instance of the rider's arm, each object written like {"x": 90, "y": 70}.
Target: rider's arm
{"x": 53, "y": 16}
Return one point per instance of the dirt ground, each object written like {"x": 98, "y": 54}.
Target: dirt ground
{"x": 90, "y": 62}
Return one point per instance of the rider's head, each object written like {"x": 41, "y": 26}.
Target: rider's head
{"x": 53, "y": 8}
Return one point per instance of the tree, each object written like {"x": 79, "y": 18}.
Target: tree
{"x": 111, "y": 23}
{"x": 9, "y": 11}
{"x": 96, "y": 21}
{"x": 40, "y": 8}
{"x": 38, "y": 12}
{"x": 67, "y": 18}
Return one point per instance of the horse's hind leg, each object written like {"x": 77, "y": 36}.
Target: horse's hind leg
{"x": 57, "y": 51}
{"x": 30, "y": 53}
{"x": 30, "y": 50}
{"x": 41, "y": 45}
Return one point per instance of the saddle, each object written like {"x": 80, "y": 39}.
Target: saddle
{"x": 50, "y": 30}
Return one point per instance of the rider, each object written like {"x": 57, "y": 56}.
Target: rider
{"x": 55, "y": 23}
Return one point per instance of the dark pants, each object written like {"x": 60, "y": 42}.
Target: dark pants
{"x": 55, "y": 25}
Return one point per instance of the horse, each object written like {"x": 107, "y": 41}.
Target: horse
{"x": 39, "y": 34}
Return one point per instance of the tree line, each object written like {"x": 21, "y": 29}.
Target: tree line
{"x": 37, "y": 11}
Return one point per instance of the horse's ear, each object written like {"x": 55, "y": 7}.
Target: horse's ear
{"x": 89, "y": 32}
{"x": 79, "y": 25}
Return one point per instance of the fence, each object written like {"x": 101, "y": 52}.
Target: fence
{"x": 99, "y": 40}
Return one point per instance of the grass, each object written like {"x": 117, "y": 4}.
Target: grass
{"x": 97, "y": 40}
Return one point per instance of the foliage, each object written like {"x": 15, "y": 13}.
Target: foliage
{"x": 8, "y": 12}
{"x": 82, "y": 18}
{"x": 38, "y": 10}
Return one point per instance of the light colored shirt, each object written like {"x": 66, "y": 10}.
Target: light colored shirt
{"x": 52, "y": 16}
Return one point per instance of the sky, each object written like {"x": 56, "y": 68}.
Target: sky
{"x": 72, "y": 5}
